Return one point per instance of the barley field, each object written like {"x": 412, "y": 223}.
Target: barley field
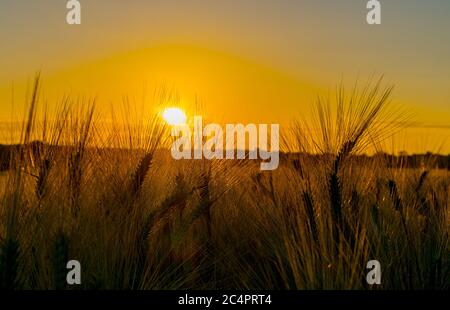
{"x": 135, "y": 218}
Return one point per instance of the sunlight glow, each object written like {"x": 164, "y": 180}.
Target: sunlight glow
{"x": 174, "y": 116}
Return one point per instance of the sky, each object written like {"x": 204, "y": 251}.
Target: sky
{"x": 244, "y": 61}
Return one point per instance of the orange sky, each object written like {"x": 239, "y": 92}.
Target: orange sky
{"x": 258, "y": 61}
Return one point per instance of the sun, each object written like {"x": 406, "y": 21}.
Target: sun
{"x": 174, "y": 116}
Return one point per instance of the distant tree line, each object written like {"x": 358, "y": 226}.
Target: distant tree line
{"x": 403, "y": 160}
{"x": 8, "y": 153}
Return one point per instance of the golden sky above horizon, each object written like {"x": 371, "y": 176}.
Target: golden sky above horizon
{"x": 235, "y": 61}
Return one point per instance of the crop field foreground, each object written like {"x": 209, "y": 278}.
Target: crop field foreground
{"x": 135, "y": 218}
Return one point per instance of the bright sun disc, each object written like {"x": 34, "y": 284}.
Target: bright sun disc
{"x": 174, "y": 116}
